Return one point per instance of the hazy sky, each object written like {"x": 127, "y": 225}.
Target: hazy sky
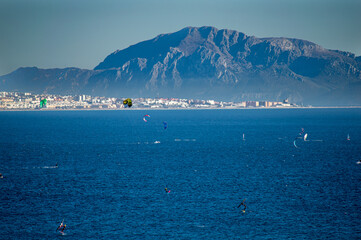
{"x": 70, "y": 33}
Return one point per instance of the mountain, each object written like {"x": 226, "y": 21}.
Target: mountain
{"x": 209, "y": 63}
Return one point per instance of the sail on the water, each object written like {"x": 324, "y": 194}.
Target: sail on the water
{"x": 348, "y": 137}
{"x": 305, "y": 137}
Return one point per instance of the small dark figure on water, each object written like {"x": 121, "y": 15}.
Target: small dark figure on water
{"x": 61, "y": 227}
{"x": 243, "y": 204}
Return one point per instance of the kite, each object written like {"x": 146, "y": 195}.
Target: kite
{"x": 127, "y": 102}
{"x": 144, "y": 119}
{"x": 43, "y": 103}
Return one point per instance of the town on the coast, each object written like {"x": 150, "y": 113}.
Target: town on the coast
{"x": 29, "y": 101}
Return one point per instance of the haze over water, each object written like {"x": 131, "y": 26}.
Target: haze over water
{"x": 113, "y": 168}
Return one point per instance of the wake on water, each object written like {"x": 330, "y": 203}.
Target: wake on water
{"x": 49, "y": 167}
{"x": 155, "y": 142}
{"x": 44, "y": 167}
{"x": 184, "y": 140}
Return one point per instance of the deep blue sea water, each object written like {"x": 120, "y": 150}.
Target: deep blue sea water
{"x": 112, "y": 174}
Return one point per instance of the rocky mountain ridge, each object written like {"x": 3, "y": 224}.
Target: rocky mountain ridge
{"x": 209, "y": 63}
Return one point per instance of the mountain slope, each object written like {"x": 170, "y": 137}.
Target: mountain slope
{"x": 209, "y": 63}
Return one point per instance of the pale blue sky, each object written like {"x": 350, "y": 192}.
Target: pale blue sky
{"x": 70, "y": 33}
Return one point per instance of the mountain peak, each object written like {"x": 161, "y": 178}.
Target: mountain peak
{"x": 206, "y": 62}
{"x": 186, "y": 40}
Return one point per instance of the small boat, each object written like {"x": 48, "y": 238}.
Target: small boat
{"x": 244, "y": 139}
{"x": 359, "y": 162}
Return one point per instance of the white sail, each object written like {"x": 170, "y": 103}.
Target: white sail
{"x": 305, "y": 137}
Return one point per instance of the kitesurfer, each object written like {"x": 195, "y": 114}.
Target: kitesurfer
{"x": 243, "y": 204}
{"x": 61, "y": 227}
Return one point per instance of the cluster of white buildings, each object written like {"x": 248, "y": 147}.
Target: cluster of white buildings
{"x": 21, "y": 101}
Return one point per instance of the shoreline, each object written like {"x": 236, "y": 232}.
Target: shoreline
{"x": 152, "y": 109}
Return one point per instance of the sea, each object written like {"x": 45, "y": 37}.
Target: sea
{"x": 104, "y": 174}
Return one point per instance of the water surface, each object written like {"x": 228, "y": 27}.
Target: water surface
{"x": 112, "y": 174}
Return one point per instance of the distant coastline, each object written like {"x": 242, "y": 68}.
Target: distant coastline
{"x": 29, "y": 101}
{"x": 15, "y": 101}
{"x": 165, "y": 109}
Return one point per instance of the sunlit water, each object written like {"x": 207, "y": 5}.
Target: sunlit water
{"x": 113, "y": 168}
